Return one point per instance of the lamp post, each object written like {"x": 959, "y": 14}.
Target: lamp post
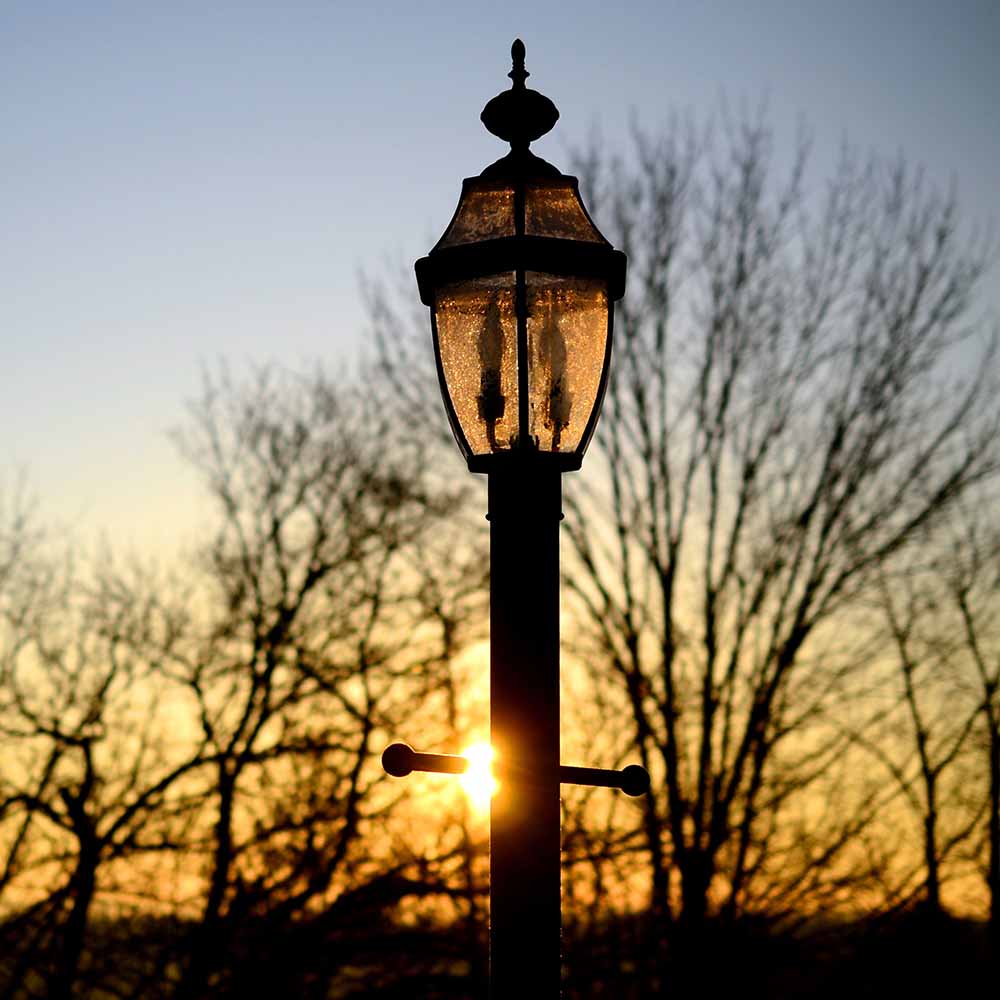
{"x": 521, "y": 288}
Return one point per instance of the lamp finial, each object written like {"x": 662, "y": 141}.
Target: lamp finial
{"x": 518, "y": 73}
{"x": 519, "y": 115}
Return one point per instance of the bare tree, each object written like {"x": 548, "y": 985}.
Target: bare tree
{"x": 923, "y": 739}
{"x": 969, "y": 609}
{"x": 204, "y": 753}
{"x": 321, "y": 636}
{"x": 797, "y": 392}
{"x": 930, "y": 724}
{"x": 90, "y": 776}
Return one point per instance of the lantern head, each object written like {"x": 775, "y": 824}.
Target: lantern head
{"x": 521, "y": 289}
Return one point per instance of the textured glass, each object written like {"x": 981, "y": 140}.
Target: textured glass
{"x": 567, "y": 339}
{"x": 486, "y": 212}
{"x": 477, "y": 340}
{"x": 554, "y": 209}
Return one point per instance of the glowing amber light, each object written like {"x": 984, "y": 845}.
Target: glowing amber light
{"x": 478, "y": 781}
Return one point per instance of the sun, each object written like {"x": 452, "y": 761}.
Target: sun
{"x": 478, "y": 781}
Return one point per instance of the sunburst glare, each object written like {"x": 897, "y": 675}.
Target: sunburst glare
{"x": 478, "y": 782}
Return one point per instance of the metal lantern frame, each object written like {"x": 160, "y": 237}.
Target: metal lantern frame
{"x": 521, "y": 115}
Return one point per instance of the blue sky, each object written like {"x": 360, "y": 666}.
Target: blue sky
{"x": 186, "y": 182}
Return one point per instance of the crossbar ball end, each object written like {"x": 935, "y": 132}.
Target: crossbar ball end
{"x": 397, "y": 760}
{"x": 635, "y": 780}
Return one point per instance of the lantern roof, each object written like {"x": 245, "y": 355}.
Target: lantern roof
{"x": 521, "y": 211}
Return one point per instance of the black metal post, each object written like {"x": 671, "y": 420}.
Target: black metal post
{"x": 524, "y": 511}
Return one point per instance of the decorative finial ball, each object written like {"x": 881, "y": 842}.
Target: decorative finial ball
{"x": 519, "y": 115}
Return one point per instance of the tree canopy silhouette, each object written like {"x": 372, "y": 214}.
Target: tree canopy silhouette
{"x": 800, "y": 392}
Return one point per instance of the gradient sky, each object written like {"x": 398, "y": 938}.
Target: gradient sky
{"x": 187, "y": 182}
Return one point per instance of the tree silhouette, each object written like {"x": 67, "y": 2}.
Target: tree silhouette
{"x": 789, "y": 409}
{"x": 202, "y": 751}
{"x": 800, "y": 392}
{"x": 320, "y": 642}
{"x": 973, "y": 583}
{"x": 950, "y": 631}
{"x": 924, "y": 741}
{"x": 91, "y": 779}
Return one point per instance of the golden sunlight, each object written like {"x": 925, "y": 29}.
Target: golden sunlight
{"x": 478, "y": 781}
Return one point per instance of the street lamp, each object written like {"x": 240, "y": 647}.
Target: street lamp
{"x": 521, "y": 289}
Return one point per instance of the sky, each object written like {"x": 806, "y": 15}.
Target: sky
{"x": 186, "y": 183}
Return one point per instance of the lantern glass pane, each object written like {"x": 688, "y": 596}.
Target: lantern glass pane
{"x": 486, "y": 212}
{"x": 553, "y": 208}
{"x": 567, "y": 341}
{"x": 477, "y": 344}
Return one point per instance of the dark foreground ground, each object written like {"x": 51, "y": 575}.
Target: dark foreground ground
{"x": 907, "y": 956}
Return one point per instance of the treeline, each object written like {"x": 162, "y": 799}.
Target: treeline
{"x": 782, "y": 597}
